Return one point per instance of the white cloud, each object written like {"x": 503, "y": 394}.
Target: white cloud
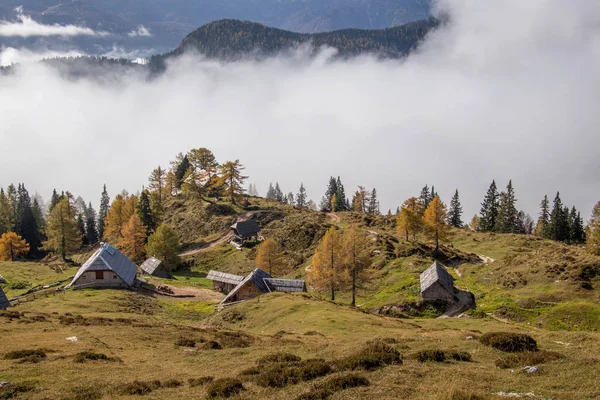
{"x": 27, "y": 27}
{"x": 141, "y": 30}
{"x": 11, "y": 55}
{"x": 507, "y": 90}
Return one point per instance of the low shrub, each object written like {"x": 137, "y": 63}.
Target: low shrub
{"x": 234, "y": 339}
{"x": 374, "y": 355}
{"x": 10, "y": 314}
{"x": 85, "y": 393}
{"x": 19, "y": 354}
{"x": 328, "y": 388}
{"x": 509, "y": 342}
{"x": 461, "y": 356}
{"x": 278, "y": 358}
{"x": 283, "y": 374}
{"x": 460, "y": 395}
{"x": 90, "y": 356}
{"x": 527, "y": 358}
{"x": 183, "y": 342}
{"x": 224, "y": 388}
{"x": 431, "y": 355}
{"x": 212, "y": 345}
{"x": 252, "y": 371}
{"x": 140, "y": 388}
{"x": 11, "y": 391}
{"x": 172, "y": 383}
{"x": 203, "y": 380}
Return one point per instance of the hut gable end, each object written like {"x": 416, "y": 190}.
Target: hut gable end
{"x": 436, "y": 282}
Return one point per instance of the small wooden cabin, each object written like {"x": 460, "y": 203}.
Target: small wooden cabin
{"x": 259, "y": 282}
{"x": 4, "y": 303}
{"x": 437, "y": 284}
{"x": 154, "y": 266}
{"x": 245, "y": 231}
{"x": 106, "y": 268}
{"x": 224, "y": 282}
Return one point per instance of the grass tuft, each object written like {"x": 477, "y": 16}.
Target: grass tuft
{"x": 224, "y": 388}
{"x": 85, "y": 356}
{"x": 326, "y": 389}
{"x": 278, "y": 358}
{"x": 374, "y": 355}
{"x": 203, "y": 380}
{"x": 509, "y": 342}
{"x": 140, "y": 388}
{"x": 25, "y": 354}
{"x": 527, "y": 358}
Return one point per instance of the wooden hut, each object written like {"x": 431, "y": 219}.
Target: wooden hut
{"x": 245, "y": 231}
{"x": 155, "y": 267}
{"x": 224, "y": 282}
{"x": 259, "y": 282}
{"x": 4, "y": 303}
{"x": 106, "y": 268}
{"x": 437, "y": 284}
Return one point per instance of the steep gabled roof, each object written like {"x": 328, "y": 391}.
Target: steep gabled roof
{"x": 224, "y": 277}
{"x": 436, "y": 273}
{"x": 4, "y": 303}
{"x": 285, "y": 285}
{"x": 257, "y": 277}
{"x": 246, "y": 228}
{"x": 150, "y": 265}
{"x": 109, "y": 258}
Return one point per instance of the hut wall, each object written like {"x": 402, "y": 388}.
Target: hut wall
{"x": 437, "y": 292}
{"x": 110, "y": 279}
{"x": 223, "y": 287}
{"x": 249, "y": 291}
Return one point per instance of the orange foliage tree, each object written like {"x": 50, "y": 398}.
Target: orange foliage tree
{"x": 327, "y": 271}
{"x": 270, "y": 257}
{"x": 12, "y": 246}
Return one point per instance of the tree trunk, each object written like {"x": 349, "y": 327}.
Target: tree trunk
{"x": 332, "y": 293}
{"x": 437, "y": 243}
{"x": 353, "y": 304}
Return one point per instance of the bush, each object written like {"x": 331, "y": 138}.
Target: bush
{"x": 139, "y": 388}
{"x": 460, "y": 395}
{"x": 282, "y": 374}
{"x": 333, "y": 385}
{"x": 431, "y": 355}
{"x": 89, "y": 356}
{"x": 509, "y": 342}
{"x": 234, "y": 339}
{"x": 223, "y": 388}
{"x": 10, "y": 391}
{"x": 172, "y": 383}
{"x": 18, "y": 354}
{"x": 527, "y": 358}
{"x": 374, "y": 355}
{"x": 461, "y": 356}
{"x": 183, "y": 342}
{"x": 85, "y": 393}
{"x": 278, "y": 358}
{"x": 195, "y": 382}
{"x": 212, "y": 345}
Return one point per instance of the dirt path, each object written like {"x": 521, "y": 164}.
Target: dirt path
{"x": 223, "y": 239}
{"x": 192, "y": 292}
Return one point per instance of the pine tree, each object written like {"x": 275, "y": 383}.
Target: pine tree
{"x": 435, "y": 221}
{"x": 91, "y": 233}
{"x": 6, "y": 225}
{"x": 156, "y": 186}
{"x": 327, "y": 271}
{"x": 341, "y": 200}
{"x": 301, "y": 197}
{"x": 356, "y": 257}
{"x": 425, "y": 197}
{"x": 271, "y": 195}
{"x": 290, "y": 198}
{"x": 269, "y": 258}
{"x": 507, "y": 211}
{"x": 12, "y": 246}
{"x": 231, "y": 179}
{"x": 80, "y": 223}
{"x": 543, "y": 224}
{"x": 455, "y": 213}
{"x": 181, "y": 170}
{"x": 278, "y": 193}
{"x": 164, "y": 245}
{"x": 134, "y": 238}
{"x": 103, "y": 212}
{"x": 489, "y": 210}
{"x": 25, "y": 222}
{"x": 559, "y": 221}
{"x": 576, "y": 229}
{"x": 62, "y": 233}
{"x": 144, "y": 211}
{"x": 373, "y": 207}
{"x": 53, "y": 200}
{"x": 332, "y": 190}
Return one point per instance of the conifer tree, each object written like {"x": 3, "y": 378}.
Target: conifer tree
{"x": 489, "y": 210}
{"x": 40, "y": 221}
{"x": 157, "y": 188}
{"x": 62, "y": 233}
{"x": 134, "y": 238}
{"x": 334, "y": 203}
{"x": 53, "y": 200}
{"x": 455, "y": 213}
{"x": 164, "y": 245}
{"x": 271, "y": 194}
{"x": 12, "y": 246}
{"x": 559, "y": 221}
{"x": 278, "y": 193}
{"x": 290, "y": 199}
{"x": 433, "y": 193}
{"x": 269, "y": 258}
{"x": 543, "y": 224}
{"x": 342, "y": 202}
{"x": 593, "y": 230}
{"x": 576, "y": 228}
{"x": 144, "y": 211}
{"x": 373, "y": 207}
{"x": 356, "y": 257}
{"x": 114, "y": 220}
{"x": 301, "y": 197}
{"x": 103, "y": 212}
{"x": 332, "y": 190}
{"x": 231, "y": 179}
{"x": 435, "y": 221}
{"x": 327, "y": 271}
{"x": 6, "y": 224}
{"x": 180, "y": 170}
{"x": 80, "y": 223}
{"x": 507, "y": 211}
{"x": 203, "y": 159}
{"x": 474, "y": 224}
{"x": 357, "y": 202}
{"x": 425, "y": 197}
{"x": 25, "y": 222}
{"x": 91, "y": 233}
{"x": 410, "y": 218}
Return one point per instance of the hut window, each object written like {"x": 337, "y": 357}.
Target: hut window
{"x": 114, "y": 277}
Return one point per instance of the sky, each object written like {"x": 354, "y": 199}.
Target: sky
{"x": 506, "y": 90}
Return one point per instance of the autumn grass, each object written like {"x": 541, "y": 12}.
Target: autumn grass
{"x": 20, "y": 275}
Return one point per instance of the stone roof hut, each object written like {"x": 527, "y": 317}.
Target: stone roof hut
{"x": 106, "y": 268}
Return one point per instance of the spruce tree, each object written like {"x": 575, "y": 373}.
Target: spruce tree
{"x": 425, "y": 197}
{"x": 543, "y": 223}
{"x": 342, "y": 202}
{"x": 40, "y": 221}
{"x": 81, "y": 228}
{"x": 373, "y": 207}
{"x": 489, "y": 210}
{"x": 144, "y": 211}
{"x": 301, "y": 197}
{"x": 332, "y": 190}
{"x": 559, "y": 221}
{"x": 25, "y": 223}
{"x": 279, "y": 193}
{"x": 455, "y": 212}
{"x": 103, "y": 212}
{"x": 181, "y": 170}
{"x": 290, "y": 198}
{"x": 91, "y": 233}
{"x": 53, "y": 200}
{"x": 6, "y": 224}
{"x": 507, "y": 211}
{"x": 271, "y": 195}
{"x": 576, "y": 229}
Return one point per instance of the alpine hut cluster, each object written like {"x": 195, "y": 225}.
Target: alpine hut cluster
{"x": 106, "y": 268}
{"x": 256, "y": 283}
{"x": 437, "y": 284}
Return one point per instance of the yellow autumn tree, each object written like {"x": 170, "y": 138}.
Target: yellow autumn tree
{"x": 409, "y": 218}
{"x": 435, "y": 221}
{"x": 356, "y": 257}
{"x": 61, "y": 230}
{"x": 270, "y": 257}
{"x": 231, "y": 179}
{"x": 593, "y": 230}
{"x": 327, "y": 271}
{"x": 133, "y": 241}
{"x": 119, "y": 214}
{"x": 12, "y": 246}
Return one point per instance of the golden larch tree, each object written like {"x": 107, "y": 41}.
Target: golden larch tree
{"x": 61, "y": 230}
{"x": 270, "y": 257}
{"x": 133, "y": 241}
{"x": 119, "y": 214}
{"x": 593, "y": 230}
{"x": 231, "y": 179}
{"x": 327, "y": 271}
{"x": 435, "y": 221}
{"x": 356, "y": 257}
{"x": 12, "y": 246}
{"x": 409, "y": 218}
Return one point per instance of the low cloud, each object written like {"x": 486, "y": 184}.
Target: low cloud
{"x": 27, "y": 27}
{"x": 141, "y": 30}
{"x": 507, "y": 90}
{"x": 10, "y": 55}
